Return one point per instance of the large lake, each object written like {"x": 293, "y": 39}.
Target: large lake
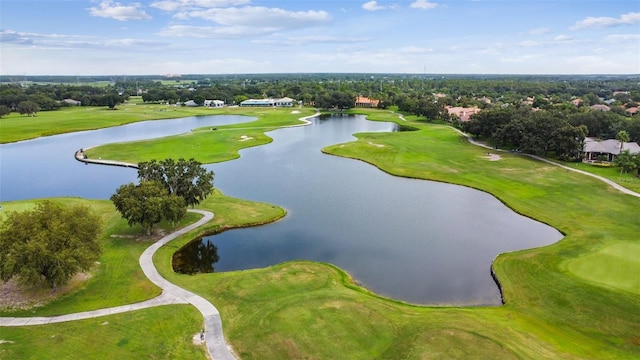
{"x": 418, "y": 241}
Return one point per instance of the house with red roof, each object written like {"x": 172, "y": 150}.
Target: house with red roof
{"x": 365, "y": 102}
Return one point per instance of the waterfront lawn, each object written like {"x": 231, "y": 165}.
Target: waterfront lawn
{"x": 562, "y": 302}
{"x": 164, "y": 332}
{"x": 118, "y": 279}
{"x": 204, "y": 144}
{"x": 16, "y": 127}
{"x": 554, "y": 310}
{"x": 629, "y": 180}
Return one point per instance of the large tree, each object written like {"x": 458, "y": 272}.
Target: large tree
{"x": 28, "y": 107}
{"x": 185, "y": 178}
{"x": 147, "y": 204}
{"x": 49, "y": 243}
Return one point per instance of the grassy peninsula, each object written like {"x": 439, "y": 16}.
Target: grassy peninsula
{"x": 577, "y": 299}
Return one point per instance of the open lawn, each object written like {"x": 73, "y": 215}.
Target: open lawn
{"x": 118, "y": 280}
{"x": 577, "y": 299}
{"x": 628, "y": 180}
{"x": 204, "y": 144}
{"x": 16, "y": 127}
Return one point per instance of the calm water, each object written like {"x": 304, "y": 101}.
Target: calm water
{"x": 414, "y": 240}
{"x": 45, "y": 167}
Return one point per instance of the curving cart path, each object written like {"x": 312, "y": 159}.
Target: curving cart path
{"x": 171, "y": 294}
{"x": 603, "y": 179}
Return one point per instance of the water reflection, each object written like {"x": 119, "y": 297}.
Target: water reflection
{"x": 196, "y": 257}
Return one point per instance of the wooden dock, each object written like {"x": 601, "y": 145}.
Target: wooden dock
{"x": 80, "y": 156}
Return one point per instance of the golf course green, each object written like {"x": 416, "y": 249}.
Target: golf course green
{"x": 576, "y": 299}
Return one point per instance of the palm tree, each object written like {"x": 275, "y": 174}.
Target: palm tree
{"x": 623, "y": 137}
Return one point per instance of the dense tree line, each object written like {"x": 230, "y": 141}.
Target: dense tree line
{"x": 51, "y": 97}
{"x": 542, "y": 132}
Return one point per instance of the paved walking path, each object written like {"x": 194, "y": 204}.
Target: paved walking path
{"x": 603, "y": 179}
{"x": 171, "y": 294}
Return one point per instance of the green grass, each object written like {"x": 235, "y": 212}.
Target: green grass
{"x": 628, "y": 180}
{"x": 16, "y": 127}
{"x": 577, "y": 299}
{"x": 163, "y": 332}
{"x": 617, "y": 266}
{"x": 204, "y": 144}
{"x": 311, "y": 310}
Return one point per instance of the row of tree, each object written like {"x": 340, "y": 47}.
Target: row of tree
{"x": 53, "y": 242}
{"x": 546, "y": 131}
{"x": 165, "y": 190}
{"x": 14, "y": 97}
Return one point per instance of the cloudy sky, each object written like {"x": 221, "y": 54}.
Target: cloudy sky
{"x": 122, "y": 37}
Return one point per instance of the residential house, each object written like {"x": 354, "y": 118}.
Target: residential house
{"x": 463, "y": 114}
{"x": 365, "y": 102}
{"x": 190, "y": 103}
{"x": 214, "y": 103}
{"x": 632, "y": 111}
{"x": 600, "y": 107}
{"x": 594, "y": 149}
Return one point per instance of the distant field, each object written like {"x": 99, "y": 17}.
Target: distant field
{"x": 16, "y": 127}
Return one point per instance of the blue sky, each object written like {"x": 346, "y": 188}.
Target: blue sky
{"x": 121, "y": 37}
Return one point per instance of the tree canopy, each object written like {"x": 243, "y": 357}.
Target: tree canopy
{"x": 50, "y": 243}
{"x": 147, "y": 204}
{"x": 185, "y": 178}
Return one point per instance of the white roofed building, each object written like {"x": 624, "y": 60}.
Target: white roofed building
{"x": 593, "y": 149}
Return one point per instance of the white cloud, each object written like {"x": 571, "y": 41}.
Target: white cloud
{"x": 210, "y": 32}
{"x": 261, "y": 19}
{"x": 602, "y": 22}
{"x": 539, "y": 31}
{"x": 372, "y": 6}
{"x": 115, "y": 10}
{"x": 312, "y": 39}
{"x": 173, "y": 5}
{"x": 562, "y": 37}
{"x": 521, "y": 59}
{"x": 622, "y": 38}
{"x": 64, "y": 41}
{"x": 529, "y": 43}
{"x": 423, "y": 4}
{"x": 14, "y": 37}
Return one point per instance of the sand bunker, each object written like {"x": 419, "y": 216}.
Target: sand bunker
{"x": 376, "y": 145}
{"x": 492, "y": 157}
{"x": 245, "y": 138}
{"x": 295, "y": 112}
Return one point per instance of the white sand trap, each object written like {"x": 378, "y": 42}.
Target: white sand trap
{"x": 245, "y": 138}
{"x": 295, "y": 112}
{"x": 376, "y": 145}
{"x": 493, "y": 157}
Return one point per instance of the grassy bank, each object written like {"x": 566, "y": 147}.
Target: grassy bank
{"x": 577, "y": 299}
{"x": 16, "y": 127}
{"x": 563, "y": 301}
{"x": 163, "y": 332}
{"x": 207, "y": 145}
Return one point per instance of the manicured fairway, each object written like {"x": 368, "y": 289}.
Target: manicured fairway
{"x": 577, "y": 299}
{"x": 616, "y": 265}
{"x": 16, "y": 127}
{"x": 207, "y": 145}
